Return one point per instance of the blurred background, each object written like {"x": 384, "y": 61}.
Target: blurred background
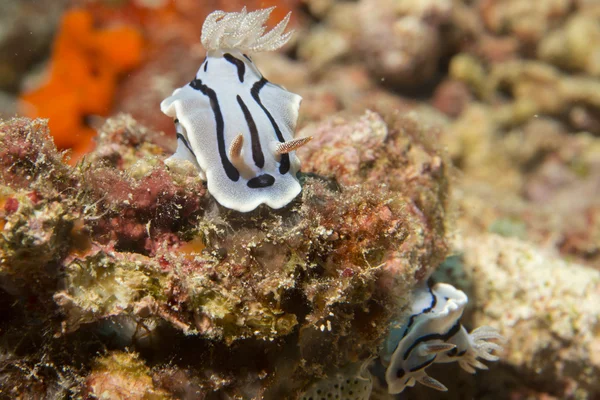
{"x": 75, "y": 61}
{"x": 512, "y": 85}
{"x": 512, "y": 88}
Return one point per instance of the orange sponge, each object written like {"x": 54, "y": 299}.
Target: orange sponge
{"x": 84, "y": 68}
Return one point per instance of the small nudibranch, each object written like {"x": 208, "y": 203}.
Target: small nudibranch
{"x": 233, "y": 124}
{"x": 433, "y": 333}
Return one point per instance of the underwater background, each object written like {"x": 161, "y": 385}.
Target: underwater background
{"x": 454, "y": 141}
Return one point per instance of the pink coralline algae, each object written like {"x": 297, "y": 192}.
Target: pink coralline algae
{"x": 122, "y": 274}
{"x": 123, "y": 252}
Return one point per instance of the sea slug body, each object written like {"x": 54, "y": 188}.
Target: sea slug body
{"x": 433, "y": 333}
{"x": 232, "y": 123}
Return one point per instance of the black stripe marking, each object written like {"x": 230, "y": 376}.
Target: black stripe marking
{"x": 205, "y": 65}
{"x": 257, "y": 154}
{"x": 185, "y": 142}
{"x": 411, "y": 320}
{"x": 230, "y": 170}
{"x": 284, "y": 165}
{"x": 241, "y": 67}
{"x": 424, "y": 365}
{"x": 261, "y": 181}
{"x": 442, "y": 336}
{"x": 247, "y": 58}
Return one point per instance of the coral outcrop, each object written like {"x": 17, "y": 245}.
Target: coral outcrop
{"x": 549, "y": 308}
{"x": 121, "y": 264}
{"x": 260, "y": 304}
{"x": 402, "y": 41}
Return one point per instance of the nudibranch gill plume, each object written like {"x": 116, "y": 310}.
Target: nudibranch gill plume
{"x": 234, "y": 125}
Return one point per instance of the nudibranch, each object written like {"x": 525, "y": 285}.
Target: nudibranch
{"x": 433, "y": 333}
{"x": 234, "y": 125}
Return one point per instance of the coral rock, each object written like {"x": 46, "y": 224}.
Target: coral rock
{"x": 142, "y": 256}
{"x": 401, "y": 41}
{"x": 547, "y": 309}
{"x": 122, "y": 376}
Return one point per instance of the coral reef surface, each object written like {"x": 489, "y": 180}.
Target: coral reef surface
{"x": 145, "y": 261}
{"x": 549, "y": 308}
{"x": 121, "y": 264}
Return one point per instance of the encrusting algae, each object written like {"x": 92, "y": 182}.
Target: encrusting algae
{"x": 120, "y": 375}
{"x": 274, "y": 301}
{"x": 247, "y": 305}
{"x": 136, "y": 278}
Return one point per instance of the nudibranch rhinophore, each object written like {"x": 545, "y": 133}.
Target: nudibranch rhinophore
{"x": 233, "y": 124}
{"x": 433, "y": 333}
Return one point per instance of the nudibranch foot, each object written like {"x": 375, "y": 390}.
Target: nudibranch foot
{"x": 433, "y": 333}
{"x": 232, "y": 123}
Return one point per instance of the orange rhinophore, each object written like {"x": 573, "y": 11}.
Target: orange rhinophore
{"x": 84, "y": 69}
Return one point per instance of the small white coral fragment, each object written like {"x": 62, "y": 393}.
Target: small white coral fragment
{"x": 433, "y": 333}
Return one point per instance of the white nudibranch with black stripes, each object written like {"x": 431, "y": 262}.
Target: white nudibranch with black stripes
{"x": 233, "y": 124}
{"x": 433, "y": 333}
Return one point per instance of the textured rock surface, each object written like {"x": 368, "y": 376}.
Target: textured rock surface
{"x": 548, "y": 309}
{"x": 255, "y": 304}
{"x": 401, "y": 40}
{"x": 508, "y": 87}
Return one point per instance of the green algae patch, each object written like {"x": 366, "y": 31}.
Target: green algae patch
{"x": 120, "y": 375}
{"x": 133, "y": 254}
{"x": 101, "y": 285}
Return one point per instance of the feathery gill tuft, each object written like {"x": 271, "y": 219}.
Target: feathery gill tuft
{"x": 243, "y": 30}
